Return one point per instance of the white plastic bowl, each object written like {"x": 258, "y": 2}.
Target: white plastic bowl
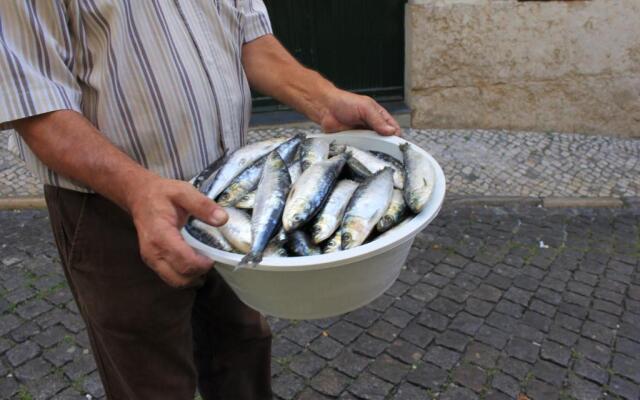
{"x": 330, "y": 284}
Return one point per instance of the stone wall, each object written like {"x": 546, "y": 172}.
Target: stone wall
{"x": 570, "y": 66}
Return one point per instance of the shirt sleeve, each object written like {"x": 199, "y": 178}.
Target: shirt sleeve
{"x": 36, "y": 60}
{"x": 256, "y": 20}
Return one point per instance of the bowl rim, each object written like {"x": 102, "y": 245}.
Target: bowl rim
{"x": 403, "y": 233}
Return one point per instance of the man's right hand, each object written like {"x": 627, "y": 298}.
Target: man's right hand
{"x": 160, "y": 207}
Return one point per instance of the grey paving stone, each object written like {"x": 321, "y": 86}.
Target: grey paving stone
{"x": 598, "y": 333}
{"x": 555, "y": 352}
{"x": 405, "y": 351}
{"x": 345, "y": 332}
{"x": 549, "y": 373}
{"x": 627, "y": 367}
{"x": 363, "y": 317}
{"x": 453, "y": 340}
{"x": 302, "y": 333}
{"x": 582, "y": 389}
{"x": 470, "y": 376}
{"x": 350, "y": 363}
{"x": 458, "y": 393}
{"x": 488, "y": 293}
{"x": 442, "y": 357}
{"x": 417, "y": 334}
{"x": 287, "y": 385}
{"x": 506, "y": 384}
{"x": 284, "y": 348}
{"x": 522, "y": 349}
{"x": 93, "y": 386}
{"x": 369, "y": 346}
{"x": 539, "y": 390}
{"x": 33, "y": 370}
{"x": 397, "y": 317}
{"x": 434, "y": 320}
{"x": 562, "y": 336}
{"x": 591, "y": 371}
{"x": 330, "y": 382}
{"x": 624, "y": 388}
{"x": 370, "y": 387}
{"x": 389, "y": 369}
{"x": 466, "y": 323}
{"x": 482, "y": 355}
{"x": 407, "y": 391}
{"x": 428, "y": 376}
{"x": 384, "y": 330}
{"x": 22, "y": 353}
{"x": 310, "y": 394}
{"x": 477, "y": 307}
{"x": 593, "y": 351}
{"x": 326, "y": 347}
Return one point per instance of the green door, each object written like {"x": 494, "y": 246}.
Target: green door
{"x": 357, "y": 44}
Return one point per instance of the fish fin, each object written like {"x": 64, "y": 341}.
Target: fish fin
{"x": 252, "y": 259}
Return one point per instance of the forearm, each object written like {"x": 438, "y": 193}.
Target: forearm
{"x": 69, "y": 144}
{"x": 273, "y": 71}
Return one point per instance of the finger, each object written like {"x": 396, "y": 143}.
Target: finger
{"x": 376, "y": 121}
{"x": 169, "y": 275}
{"x": 200, "y": 206}
{"x": 390, "y": 120}
{"x": 182, "y": 257}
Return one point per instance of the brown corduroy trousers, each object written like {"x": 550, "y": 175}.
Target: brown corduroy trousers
{"x": 151, "y": 341}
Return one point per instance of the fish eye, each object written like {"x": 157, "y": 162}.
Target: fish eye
{"x": 346, "y": 237}
{"x": 316, "y": 229}
{"x": 297, "y": 218}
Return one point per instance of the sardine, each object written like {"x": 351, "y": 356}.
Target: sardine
{"x": 333, "y": 244}
{"x": 312, "y": 151}
{"x": 367, "y": 205}
{"x": 207, "y": 234}
{"x": 300, "y": 244}
{"x": 330, "y": 216}
{"x": 310, "y": 192}
{"x": 237, "y": 230}
{"x": 394, "y": 214}
{"x": 364, "y": 163}
{"x": 419, "y": 177}
{"x": 397, "y": 164}
{"x": 247, "y": 201}
{"x": 209, "y": 171}
{"x": 248, "y": 179}
{"x": 295, "y": 169}
{"x": 271, "y": 197}
{"x": 394, "y": 229}
{"x": 236, "y": 163}
{"x": 274, "y": 249}
{"x": 336, "y": 148}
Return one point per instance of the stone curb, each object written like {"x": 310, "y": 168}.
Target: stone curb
{"x": 18, "y": 203}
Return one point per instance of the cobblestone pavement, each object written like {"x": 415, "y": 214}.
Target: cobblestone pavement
{"x": 493, "y": 302}
{"x": 493, "y": 163}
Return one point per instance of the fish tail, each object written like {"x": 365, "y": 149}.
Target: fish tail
{"x": 251, "y": 258}
{"x": 404, "y": 146}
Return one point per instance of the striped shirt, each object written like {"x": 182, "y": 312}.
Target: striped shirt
{"x": 161, "y": 79}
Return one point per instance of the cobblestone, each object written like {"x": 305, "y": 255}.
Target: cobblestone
{"x": 508, "y": 336}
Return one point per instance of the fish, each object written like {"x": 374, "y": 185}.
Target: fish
{"x": 209, "y": 235}
{"x": 271, "y": 197}
{"x": 310, "y": 191}
{"x": 336, "y": 148}
{"x": 394, "y": 229}
{"x": 247, "y": 201}
{"x": 295, "y": 169}
{"x": 364, "y": 163}
{"x": 329, "y": 217}
{"x": 334, "y": 244}
{"x": 397, "y": 164}
{"x": 419, "y": 178}
{"x": 275, "y": 250}
{"x": 237, "y": 230}
{"x": 236, "y": 163}
{"x": 209, "y": 171}
{"x": 248, "y": 179}
{"x": 312, "y": 151}
{"x": 301, "y": 245}
{"x": 394, "y": 214}
{"x": 367, "y": 205}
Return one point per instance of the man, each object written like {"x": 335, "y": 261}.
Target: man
{"x": 116, "y": 103}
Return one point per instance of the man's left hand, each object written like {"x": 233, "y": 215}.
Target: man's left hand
{"x": 346, "y": 110}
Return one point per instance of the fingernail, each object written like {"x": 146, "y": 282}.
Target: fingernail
{"x": 219, "y": 216}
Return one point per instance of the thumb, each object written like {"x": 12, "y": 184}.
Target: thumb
{"x": 375, "y": 118}
{"x": 201, "y": 207}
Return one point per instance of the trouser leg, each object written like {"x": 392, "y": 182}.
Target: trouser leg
{"x": 139, "y": 327}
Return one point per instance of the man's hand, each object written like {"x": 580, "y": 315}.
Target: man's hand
{"x": 159, "y": 209}
{"x": 348, "y": 110}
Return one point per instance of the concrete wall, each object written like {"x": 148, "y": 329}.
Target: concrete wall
{"x": 571, "y": 66}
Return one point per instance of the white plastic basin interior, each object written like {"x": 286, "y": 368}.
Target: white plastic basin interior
{"x": 365, "y": 140}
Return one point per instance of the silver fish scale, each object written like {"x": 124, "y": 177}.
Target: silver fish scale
{"x": 312, "y": 151}
{"x": 329, "y": 218}
{"x": 310, "y": 191}
{"x": 419, "y": 177}
{"x": 367, "y": 206}
{"x": 270, "y": 200}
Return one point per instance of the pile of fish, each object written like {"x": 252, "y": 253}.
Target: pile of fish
{"x": 303, "y": 196}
